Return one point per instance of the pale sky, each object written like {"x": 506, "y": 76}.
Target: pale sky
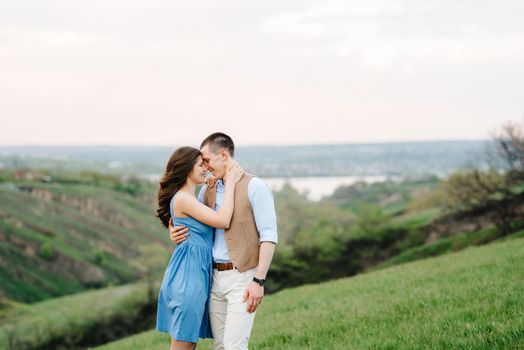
{"x": 265, "y": 72}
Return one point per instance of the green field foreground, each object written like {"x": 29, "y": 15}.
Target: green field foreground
{"x": 473, "y": 299}
{"x": 71, "y": 319}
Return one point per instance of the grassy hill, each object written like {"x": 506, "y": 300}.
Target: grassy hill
{"x": 65, "y": 233}
{"x": 61, "y": 238}
{"x": 88, "y": 230}
{"x": 466, "y": 300}
{"x": 78, "y": 320}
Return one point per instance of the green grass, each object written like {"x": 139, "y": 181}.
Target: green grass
{"x": 443, "y": 246}
{"x": 68, "y": 318}
{"x": 462, "y": 300}
{"x": 416, "y": 219}
{"x": 77, "y": 238}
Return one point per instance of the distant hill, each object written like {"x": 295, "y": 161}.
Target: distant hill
{"x": 58, "y": 238}
{"x": 399, "y": 159}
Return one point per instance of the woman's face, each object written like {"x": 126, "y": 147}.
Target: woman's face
{"x": 198, "y": 174}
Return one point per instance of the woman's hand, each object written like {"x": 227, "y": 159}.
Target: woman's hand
{"x": 234, "y": 174}
{"x": 211, "y": 181}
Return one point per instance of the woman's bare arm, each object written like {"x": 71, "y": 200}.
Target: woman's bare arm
{"x": 189, "y": 205}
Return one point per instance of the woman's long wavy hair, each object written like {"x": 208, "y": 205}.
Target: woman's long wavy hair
{"x": 175, "y": 176}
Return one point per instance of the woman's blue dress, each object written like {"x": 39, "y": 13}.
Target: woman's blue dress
{"x": 183, "y": 300}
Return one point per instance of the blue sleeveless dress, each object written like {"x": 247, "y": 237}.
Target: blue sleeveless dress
{"x": 183, "y": 300}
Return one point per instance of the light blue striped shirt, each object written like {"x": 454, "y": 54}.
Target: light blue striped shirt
{"x": 263, "y": 204}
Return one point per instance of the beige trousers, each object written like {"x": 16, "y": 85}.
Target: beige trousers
{"x": 230, "y": 322}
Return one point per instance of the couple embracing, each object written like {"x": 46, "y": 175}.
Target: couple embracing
{"x": 214, "y": 281}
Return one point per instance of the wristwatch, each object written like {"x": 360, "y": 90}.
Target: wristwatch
{"x": 259, "y": 281}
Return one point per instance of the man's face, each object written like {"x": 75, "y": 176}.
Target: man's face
{"x": 214, "y": 162}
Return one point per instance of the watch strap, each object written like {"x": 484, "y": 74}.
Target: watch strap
{"x": 259, "y": 281}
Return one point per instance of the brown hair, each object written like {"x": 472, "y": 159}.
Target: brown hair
{"x": 217, "y": 141}
{"x": 175, "y": 176}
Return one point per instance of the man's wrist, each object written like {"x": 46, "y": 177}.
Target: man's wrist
{"x": 259, "y": 281}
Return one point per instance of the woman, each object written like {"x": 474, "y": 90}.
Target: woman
{"x": 184, "y": 295}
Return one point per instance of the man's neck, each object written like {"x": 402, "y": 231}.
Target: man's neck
{"x": 228, "y": 165}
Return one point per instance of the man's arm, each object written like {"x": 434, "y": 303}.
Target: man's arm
{"x": 254, "y": 291}
{"x": 264, "y": 259}
{"x": 262, "y": 201}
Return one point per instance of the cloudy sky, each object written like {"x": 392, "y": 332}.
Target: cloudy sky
{"x": 266, "y": 72}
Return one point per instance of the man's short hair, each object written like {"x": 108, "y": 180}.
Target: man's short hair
{"x": 217, "y": 141}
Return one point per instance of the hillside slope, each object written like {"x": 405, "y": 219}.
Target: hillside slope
{"x": 57, "y": 239}
{"x": 466, "y": 300}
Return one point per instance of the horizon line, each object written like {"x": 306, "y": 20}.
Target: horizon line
{"x": 251, "y": 145}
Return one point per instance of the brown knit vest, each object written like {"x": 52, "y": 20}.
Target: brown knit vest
{"x": 242, "y": 237}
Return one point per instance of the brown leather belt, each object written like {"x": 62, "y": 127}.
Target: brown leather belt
{"x": 224, "y": 266}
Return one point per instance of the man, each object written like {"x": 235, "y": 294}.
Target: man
{"x": 242, "y": 253}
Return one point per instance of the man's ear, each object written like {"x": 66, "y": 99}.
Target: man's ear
{"x": 224, "y": 154}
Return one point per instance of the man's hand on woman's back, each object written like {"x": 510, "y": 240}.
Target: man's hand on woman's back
{"x": 178, "y": 234}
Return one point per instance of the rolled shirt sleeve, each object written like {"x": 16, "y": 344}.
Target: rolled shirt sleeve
{"x": 263, "y": 203}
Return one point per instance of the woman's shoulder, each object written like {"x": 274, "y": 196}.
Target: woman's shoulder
{"x": 181, "y": 199}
